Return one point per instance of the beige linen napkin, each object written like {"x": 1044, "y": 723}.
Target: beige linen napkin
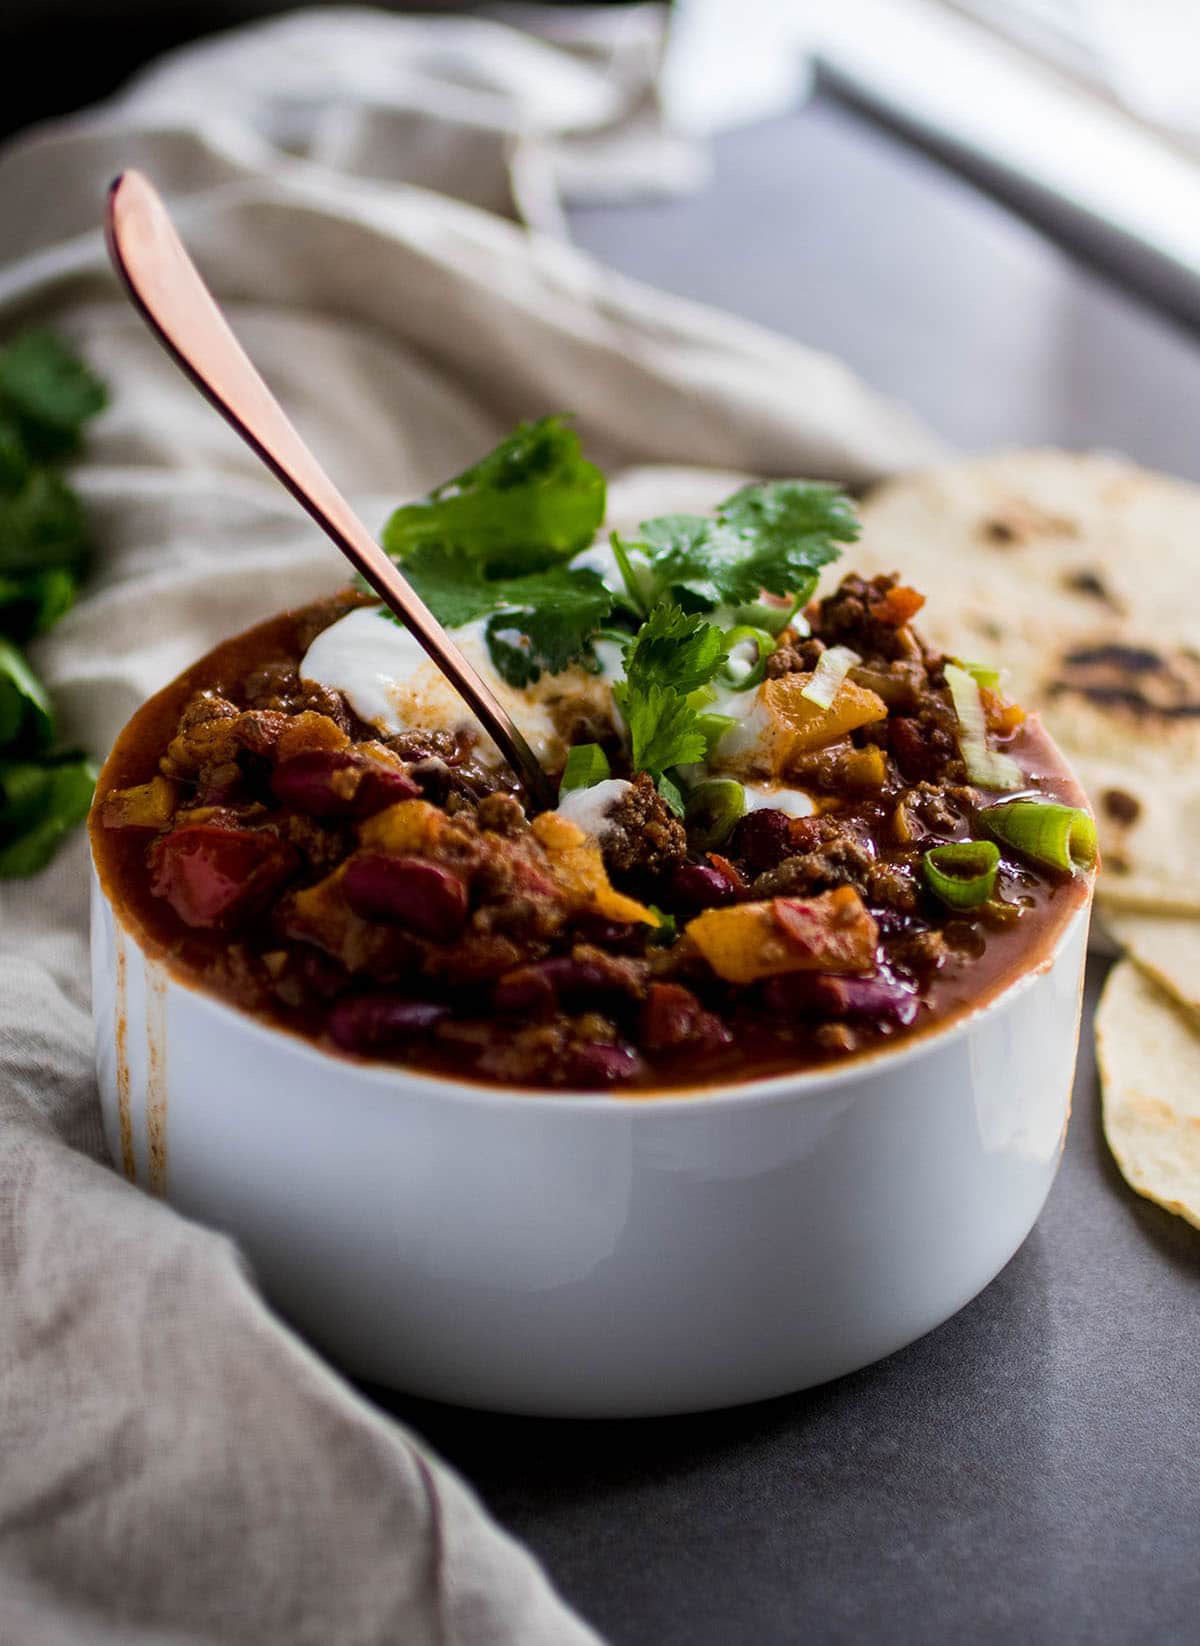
{"x": 174, "y": 1464}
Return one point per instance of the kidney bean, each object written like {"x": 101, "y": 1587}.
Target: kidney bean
{"x": 817, "y": 994}
{"x": 211, "y": 875}
{"x": 339, "y": 783}
{"x": 537, "y": 987}
{"x": 525, "y": 990}
{"x": 596, "y": 1064}
{"x": 702, "y": 886}
{"x": 407, "y": 891}
{"x": 366, "y": 1023}
{"x": 382, "y": 786}
{"x": 616, "y": 936}
{"x": 911, "y": 749}
{"x": 672, "y": 1018}
{"x": 762, "y": 839}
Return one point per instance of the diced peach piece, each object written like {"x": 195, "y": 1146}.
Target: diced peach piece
{"x": 748, "y": 941}
{"x": 320, "y": 914}
{"x": 407, "y": 828}
{"x": 809, "y": 727}
{"x": 146, "y": 806}
{"x": 864, "y": 768}
{"x": 578, "y": 868}
{"x": 307, "y": 731}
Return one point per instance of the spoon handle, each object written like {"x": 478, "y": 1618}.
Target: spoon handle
{"x": 165, "y": 286}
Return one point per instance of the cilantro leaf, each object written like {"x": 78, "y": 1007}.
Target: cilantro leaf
{"x": 671, "y": 658}
{"x": 674, "y": 648}
{"x": 662, "y": 727}
{"x": 40, "y": 803}
{"x": 587, "y": 764}
{"x": 14, "y": 456}
{"x": 792, "y": 526}
{"x": 774, "y": 536}
{"x": 533, "y": 502}
{"x": 551, "y": 615}
{"x": 48, "y": 391}
{"x": 32, "y": 602}
{"x": 41, "y": 525}
{"x": 25, "y": 712}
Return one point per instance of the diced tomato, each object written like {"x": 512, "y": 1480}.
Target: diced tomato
{"x": 211, "y": 876}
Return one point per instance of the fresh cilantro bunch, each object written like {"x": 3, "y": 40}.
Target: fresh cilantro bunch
{"x": 771, "y": 538}
{"x": 497, "y": 540}
{"x": 47, "y": 394}
{"x": 497, "y": 543}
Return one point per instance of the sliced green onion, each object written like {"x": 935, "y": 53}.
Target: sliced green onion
{"x": 587, "y": 764}
{"x": 672, "y": 794}
{"x": 713, "y": 727}
{"x": 832, "y": 668}
{"x": 985, "y": 766}
{"x": 766, "y": 645}
{"x": 963, "y": 873}
{"x": 713, "y": 807}
{"x": 761, "y": 614}
{"x": 982, "y": 673}
{"x": 1062, "y": 837}
{"x": 629, "y": 576}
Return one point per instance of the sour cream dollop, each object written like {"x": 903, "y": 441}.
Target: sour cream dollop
{"x": 592, "y": 809}
{"x": 390, "y": 683}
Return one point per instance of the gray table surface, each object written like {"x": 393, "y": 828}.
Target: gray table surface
{"x": 1031, "y": 1470}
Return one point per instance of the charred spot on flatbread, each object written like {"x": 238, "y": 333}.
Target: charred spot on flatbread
{"x": 1084, "y": 581}
{"x": 1123, "y": 807}
{"x": 1019, "y": 521}
{"x": 1139, "y": 680}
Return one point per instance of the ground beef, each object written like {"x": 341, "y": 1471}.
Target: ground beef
{"x": 502, "y": 814}
{"x": 847, "y": 618}
{"x": 278, "y": 686}
{"x": 794, "y": 657}
{"x": 643, "y": 836}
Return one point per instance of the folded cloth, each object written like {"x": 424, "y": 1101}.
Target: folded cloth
{"x": 177, "y": 1465}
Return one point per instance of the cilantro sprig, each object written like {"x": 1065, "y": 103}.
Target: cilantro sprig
{"x": 47, "y": 394}
{"x": 669, "y": 664}
{"x": 532, "y": 503}
{"x": 498, "y": 542}
{"x": 495, "y": 542}
{"x": 774, "y": 537}
{"x": 544, "y": 621}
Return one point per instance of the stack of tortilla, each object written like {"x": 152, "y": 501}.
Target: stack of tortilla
{"x": 1080, "y": 576}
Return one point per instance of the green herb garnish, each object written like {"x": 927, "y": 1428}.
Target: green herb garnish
{"x": 47, "y": 392}
{"x": 532, "y": 503}
{"x": 587, "y": 765}
{"x": 546, "y": 620}
{"x": 497, "y": 542}
{"x": 773, "y": 537}
{"x": 46, "y": 396}
{"x": 668, "y": 664}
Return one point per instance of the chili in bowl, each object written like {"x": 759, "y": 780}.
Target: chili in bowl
{"x": 744, "y": 1065}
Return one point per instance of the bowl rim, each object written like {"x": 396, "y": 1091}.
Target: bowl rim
{"x": 754, "y": 1092}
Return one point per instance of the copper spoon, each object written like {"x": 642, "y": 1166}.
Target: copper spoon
{"x": 165, "y": 287}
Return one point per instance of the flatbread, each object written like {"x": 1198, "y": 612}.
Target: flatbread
{"x": 1080, "y": 575}
{"x": 1148, "y": 1047}
{"x": 1166, "y": 949}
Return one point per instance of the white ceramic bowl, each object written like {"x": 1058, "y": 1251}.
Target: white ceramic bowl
{"x": 595, "y": 1256}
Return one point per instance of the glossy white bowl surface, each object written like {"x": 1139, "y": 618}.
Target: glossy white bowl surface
{"x": 595, "y": 1255}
